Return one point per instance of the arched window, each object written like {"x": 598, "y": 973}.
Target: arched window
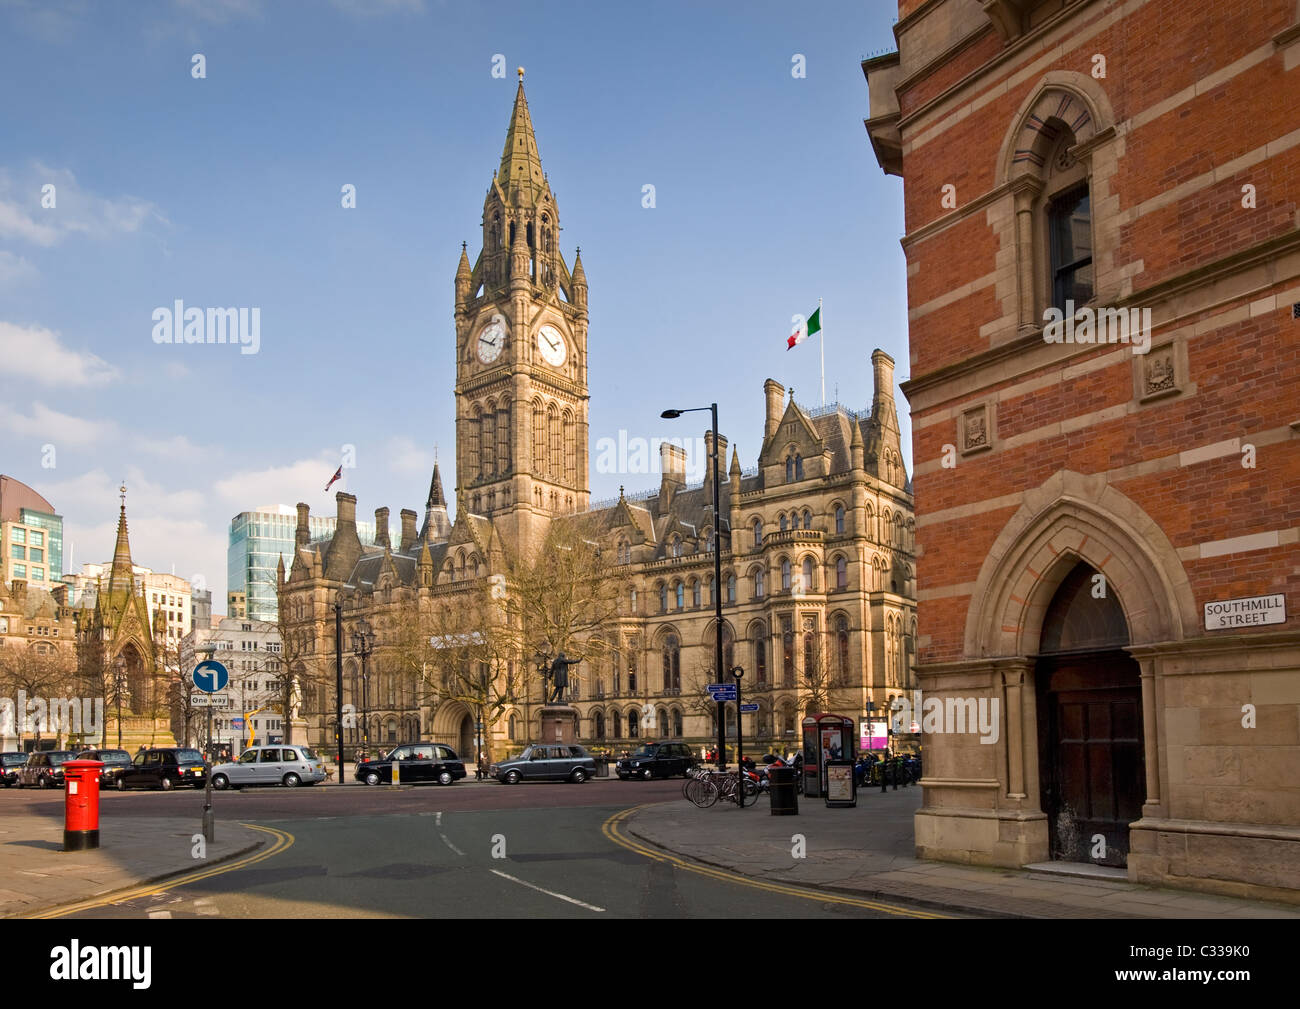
{"x": 787, "y": 652}
{"x": 677, "y": 723}
{"x": 680, "y": 592}
{"x": 672, "y": 664}
{"x": 695, "y": 592}
{"x": 616, "y": 665}
{"x": 811, "y": 667}
{"x": 807, "y": 574}
{"x": 842, "y": 648}
{"x": 708, "y": 542}
{"x": 624, "y": 552}
{"x": 598, "y": 724}
{"x": 556, "y": 437}
{"x": 807, "y": 519}
{"x": 663, "y": 723}
{"x": 758, "y": 583}
{"x": 789, "y": 469}
{"x": 839, "y": 520}
{"x": 785, "y": 575}
{"x": 758, "y": 534}
{"x": 677, "y": 546}
{"x": 841, "y": 573}
{"x": 631, "y": 668}
{"x": 617, "y": 720}
{"x": 663, "y": 598}
{"x": 759, "y": 633}
{"x": 731, "y": 588}
{"x": 798, "y": 467}
{"x": 633, "y": 724}
{"x": 513, "y": 728}
{"x": 782, "y": 523}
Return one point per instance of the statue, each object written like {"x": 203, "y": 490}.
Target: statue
{"x": 558, "y": 675}
{"x": 295, "y": 700}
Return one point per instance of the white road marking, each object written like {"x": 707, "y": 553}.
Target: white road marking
{"x": 160, "y": 914}
{"x": 549, "y": 893}
{"x": 437, "y": 822}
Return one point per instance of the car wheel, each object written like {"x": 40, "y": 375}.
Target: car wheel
{"x": 647, "y": 774}
{"x": 578, "y": 776}
{"x": 220, "y": 782}
{"x": 292, "y": 780}
{"x": 120, "y": 785}
{"x": 512, "y": 777}
{"x": 167, "y": 784}
{"x": 445, "y": 778}
{"x": 372, "y": 778}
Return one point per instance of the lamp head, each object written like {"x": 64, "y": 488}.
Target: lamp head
{"x": 671, "y": 414}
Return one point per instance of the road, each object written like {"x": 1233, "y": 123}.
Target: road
{"x": 469, "y": 850}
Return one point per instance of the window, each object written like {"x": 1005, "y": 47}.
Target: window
{"x": 513, "y": 728}
{"x": 807, "y": 574}
{"x": 758, "y": 583}
{"x": 785, "y": 575}
{"x": 798, "y": 467}
{"x": 842, "y": 649}
{"x": 839, "y": 520}
{"x": 672, "y": 664}
{"x": 782, "y": 523}
{"x": 18, "y": 535}
{"x": 841, "y": 573}
{"x": 758, "y": 534}
{"x": 633, "y": 727}
{"x": 616, "y": 720}
{"x": 631, "y": 673}
{"x": 807, "y": 520}
{"x": 787, "y": 651}
{"x": 760, "y": 653}
{"x": 677, "y": 546}
{"x": 18, "y": 553}
{"x": 677, "y": 723}
{"x": 20, "y": 570}
{"x": 1069, "y": 222}
{"x": 731, "y": 588}
{"x": 789, "y": 469}
{"x": 598, "y": 725}
{"x": 681, "y": 595}
{"x": 695, "y": 593}
{"x": 663, "y": 598}
{"x": 38, "y": 538}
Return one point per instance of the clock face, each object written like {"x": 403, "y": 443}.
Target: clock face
{"x": 490, "y": 342}
{"x": 552, "y": 346}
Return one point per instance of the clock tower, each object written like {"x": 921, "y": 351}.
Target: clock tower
{"x": 521, "y": 352}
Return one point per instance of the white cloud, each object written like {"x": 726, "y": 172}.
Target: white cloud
{"x": 36, "y": 353}
{"x": 54, "y": 428}
{"x": 303, "y": 480}
{"x": 405, "y": 456}
{"x": 15, "y": 271}
{"x": 77, "y": 211}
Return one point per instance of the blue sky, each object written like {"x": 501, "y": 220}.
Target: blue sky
{"x": 225, "y": 191}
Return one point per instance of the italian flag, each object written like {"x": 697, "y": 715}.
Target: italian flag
{"x": 810, "y": 328}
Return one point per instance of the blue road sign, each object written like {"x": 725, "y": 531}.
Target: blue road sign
{"x": 749, "y": 707}
{"x": 722, "y": 691}
{"x": 210, "y": 676}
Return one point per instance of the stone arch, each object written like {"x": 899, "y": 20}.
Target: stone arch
{"x": 1073, "y": 518}
{"x": 1073, "y": 98}
{"x": 447, "y": 722}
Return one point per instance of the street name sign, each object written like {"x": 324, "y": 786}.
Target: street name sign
{"x": 1253, "y": 611}
{"x": 749, "y": 707}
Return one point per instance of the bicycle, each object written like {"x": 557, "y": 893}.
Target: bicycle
{"x": 704, "y": 788}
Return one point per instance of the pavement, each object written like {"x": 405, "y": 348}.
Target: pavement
{"x": 867, "y": 851}
{"x": 36, "y": 874}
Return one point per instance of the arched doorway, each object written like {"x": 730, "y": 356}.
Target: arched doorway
{"x": 1090, "y": 744}
{"x": 465, "y": 739}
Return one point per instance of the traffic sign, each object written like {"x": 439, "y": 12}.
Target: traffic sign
{"x": 210, "y": 676}
{"x": 722, "y": 691}
{"x": 749, "y": 707}
{"x": 209, "y": 701}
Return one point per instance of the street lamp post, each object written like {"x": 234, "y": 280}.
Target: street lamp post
{"x": 363, "y": 643}
{"x": 717, "y": 574}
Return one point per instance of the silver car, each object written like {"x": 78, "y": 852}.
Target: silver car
{"x": 271, "y": 765}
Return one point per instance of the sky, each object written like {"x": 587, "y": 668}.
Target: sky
{"x": 224, "y": 190}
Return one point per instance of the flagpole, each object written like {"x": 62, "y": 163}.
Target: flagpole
{"x": 822, "y": 334}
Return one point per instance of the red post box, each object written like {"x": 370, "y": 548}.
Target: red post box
{"x": 81, "y": 804}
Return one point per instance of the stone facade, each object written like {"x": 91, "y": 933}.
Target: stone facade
{"x": 816, "y": 541}
{"x": 1166, "y": 480}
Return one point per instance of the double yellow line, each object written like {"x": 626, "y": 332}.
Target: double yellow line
{"x": 283, "y": 839}
{"x": 610, "y": 828}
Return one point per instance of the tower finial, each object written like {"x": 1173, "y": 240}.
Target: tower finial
{"x": 520, "y": 72}
{"x": 122, "y": 492}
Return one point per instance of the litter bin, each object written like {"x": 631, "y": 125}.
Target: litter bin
{"x": 784, "y": 800}
{"x": 602, "y": 767}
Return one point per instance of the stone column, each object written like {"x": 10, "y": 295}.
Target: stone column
{"x": 1013, "y": 687}
{"x": 1026, "y": 191}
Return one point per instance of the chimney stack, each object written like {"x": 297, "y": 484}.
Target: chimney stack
{"x": 708, "y": 456}
{"x": 346, "y": 509}
{"x": 381, "y": 528}
{"x": 672, "y": 466}
{"x": 408, "y": 529}
{"x": 302, "y": 536}
{"x": 774, "y": 391}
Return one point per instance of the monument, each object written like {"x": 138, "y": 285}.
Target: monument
{"x": 559, "y": 720}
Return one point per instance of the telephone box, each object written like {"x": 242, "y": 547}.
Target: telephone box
{"x": 826, "y": 738}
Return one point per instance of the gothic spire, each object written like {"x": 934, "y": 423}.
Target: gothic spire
{"x": 435, "y": 490}
{"x": 122, "y": 575}
{"x": 520, "y": 175}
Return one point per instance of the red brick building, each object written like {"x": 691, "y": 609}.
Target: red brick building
{"x": 1109, "y": 520}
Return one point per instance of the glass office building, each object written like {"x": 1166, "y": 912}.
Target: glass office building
{"x": 31, "y": 536}
{"x": 258, "y": 540}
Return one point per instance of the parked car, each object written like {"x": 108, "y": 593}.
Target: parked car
{"x": 114, "y": 761}
{"x": 270, "y": 765}
{"x": 656, "y": 760}
{"x": 164, "y": 768}
{"x": 549, "y": 762}
{"x": 10, "y": 766}
{"x": 418, "y": 762}
{"x": 44, "y": 768}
